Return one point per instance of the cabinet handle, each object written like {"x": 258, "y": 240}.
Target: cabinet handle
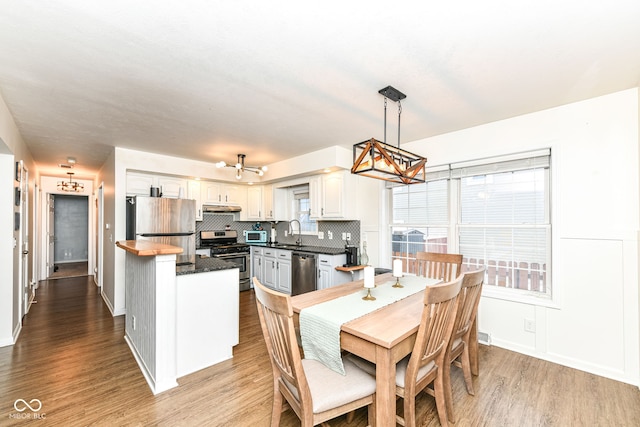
{"x": 322, "y": 211}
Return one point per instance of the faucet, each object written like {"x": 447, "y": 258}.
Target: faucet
{"x": 299, "y": 241}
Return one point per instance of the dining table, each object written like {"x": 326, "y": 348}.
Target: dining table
{"x": 384, "y": 336}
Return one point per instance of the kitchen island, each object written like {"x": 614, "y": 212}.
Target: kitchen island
{"x": 179, "y": 319}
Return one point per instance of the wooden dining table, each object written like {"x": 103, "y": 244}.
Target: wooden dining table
{"x": 383, "y": 337}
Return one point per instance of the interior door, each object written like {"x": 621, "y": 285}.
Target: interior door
{"x": 52, "y": 236}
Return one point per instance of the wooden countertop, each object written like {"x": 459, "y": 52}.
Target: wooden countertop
{"x": 147, "y": 248}
{"x": 351, "y": 268}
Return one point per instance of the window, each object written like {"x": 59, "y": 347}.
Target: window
{"x": 420, "y": 220}
{"x": 301, "y": 205}
{"x": 500, "y": 213}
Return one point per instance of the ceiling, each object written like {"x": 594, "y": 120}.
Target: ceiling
{"x": 207, "y": 79}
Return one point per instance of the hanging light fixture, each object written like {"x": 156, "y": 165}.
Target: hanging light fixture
{"x": 380, "y": 160}
{"x": 70, "y": 186}
{"x": 240, "y": 167}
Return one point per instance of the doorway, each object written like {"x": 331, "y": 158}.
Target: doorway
{"x": 69, "y": 235}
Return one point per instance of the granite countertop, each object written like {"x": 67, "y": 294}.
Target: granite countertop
{"x": 203, "y": 265}
{"x": 304, "y": 248}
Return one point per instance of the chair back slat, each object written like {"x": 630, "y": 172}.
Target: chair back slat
{"x": 438, "y": 266}
{"x": 470, "y": 293}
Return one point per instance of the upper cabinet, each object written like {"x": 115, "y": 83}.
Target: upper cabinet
{"x": 194, "y": 192}
{"x": 217, "y": 193}
{"x": 255, "y": 207}
{"x": 139, "y": 184}
{"x": 266, "y": 203}
{"x": 332, "y": 197}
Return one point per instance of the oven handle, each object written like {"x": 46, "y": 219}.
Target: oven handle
{"x": 236, "y": 255}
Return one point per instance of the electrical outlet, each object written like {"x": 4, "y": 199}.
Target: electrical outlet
{"x": 330, "y": 234}
{"x": 320, "y": 235}
{"x": 529, "y": 325}
{"x": 348, "y": 237}
{"x": 344, "y": 236}
{"x": 133, "y": 322}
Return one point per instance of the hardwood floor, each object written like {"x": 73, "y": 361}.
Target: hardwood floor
{"x": 71, "y": 356}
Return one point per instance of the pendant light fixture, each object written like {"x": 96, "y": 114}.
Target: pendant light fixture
{"x": 70, "y": 186}
{"x": 380, "y": 160}
{"x": 240, "y": 167}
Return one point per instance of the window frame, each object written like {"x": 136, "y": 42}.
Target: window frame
{"x": 454, "y": 175}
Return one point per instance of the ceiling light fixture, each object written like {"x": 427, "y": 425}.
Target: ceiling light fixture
{"x": 240, "y": 167}
{"x": 70, "y": 186}
{"x": 380, "y": 160}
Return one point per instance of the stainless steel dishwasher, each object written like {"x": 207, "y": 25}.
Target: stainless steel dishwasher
{"x": 303, "y": 272}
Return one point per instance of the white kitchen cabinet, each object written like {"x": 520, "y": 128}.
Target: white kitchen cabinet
{"x": 277, "y": 269}
{"x": 269, "y": 271}
{"x": 257, "y": 264}
{"x": 284, "y": 271}
{"x": 327, "y": 274}
{"x": 139, "y": 184}
{"x": 332, "y": 196}
{"x": 255, "y": 210}
{"x": 172, "y": 187}
{"x": 193, "y": 192}
{"x": 267, "y": 202}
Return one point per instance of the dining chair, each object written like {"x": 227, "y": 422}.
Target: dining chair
{"x": 426, "y": 363}
{"x": 438, "y": 266}
{"x": 459, "y": 349}
{"x": 314, "y": 392}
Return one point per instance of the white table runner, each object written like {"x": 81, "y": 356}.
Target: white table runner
{"x": 320, "y": 324}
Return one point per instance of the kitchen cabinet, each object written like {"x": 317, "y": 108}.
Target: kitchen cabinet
{"x": 257, "y": 264}
{"x": 217, "y": 193}
{"x": 277, "y": 269}
{"x": 327, "y": 274}
{"x": 193, "y": 192}
{"x": 139, "y": 184}
{"x": 255, "y": 210}
{"x": 332, "y": 196}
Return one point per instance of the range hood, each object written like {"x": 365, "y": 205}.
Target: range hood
{"x": 220, "y": 209}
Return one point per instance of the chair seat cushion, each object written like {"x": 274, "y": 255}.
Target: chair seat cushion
{"x": 401, "y": 367}
{"x": 329, "y": 389}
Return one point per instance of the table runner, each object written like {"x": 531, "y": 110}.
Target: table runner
{"x": 320, "y": 324}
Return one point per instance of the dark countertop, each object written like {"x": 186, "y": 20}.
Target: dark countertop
{"x": 204, "y": 264}
{"x": 303, "y": 248}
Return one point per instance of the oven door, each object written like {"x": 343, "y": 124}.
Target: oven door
{"x": 242, "y": 260}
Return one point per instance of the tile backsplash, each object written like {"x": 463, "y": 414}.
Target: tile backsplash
{"x": 220, "y": 221}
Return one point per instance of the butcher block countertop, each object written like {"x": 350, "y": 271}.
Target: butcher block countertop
{"x": 147, "y": 248}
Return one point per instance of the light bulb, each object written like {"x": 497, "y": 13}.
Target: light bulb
{"x": 238, "y": 166}
{"x": 221, "y": 164}
{"x": 264, "y": 168}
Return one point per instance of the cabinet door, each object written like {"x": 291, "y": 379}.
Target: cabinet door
{"x": 269, "y": 272}
{"x": 193, "y": 192}
{"x": 172, "y": 187}
{"x": 256, "y": 268}
{"x": 254, "y": 203}
{"x": 315, "y": 198}
{"x": 284, "y": 276}
{"x": 324, "y": 277}
{"x": 211, "y": 193}
{"x": 232, "y": 194}
{"x": 267, "y": 202}
{"x": 139, "y": 184}
{"x": 333, "y": 196}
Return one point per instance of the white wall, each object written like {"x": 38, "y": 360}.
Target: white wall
{"x": 12, "y": 149}
{"x": 593, "y": 322}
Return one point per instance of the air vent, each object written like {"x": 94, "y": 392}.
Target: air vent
{"x": 484, "y": 338}
{"x": 65, "y": 166}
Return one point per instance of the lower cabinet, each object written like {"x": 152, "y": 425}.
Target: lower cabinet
{"x": 257, "y": 264}
{"x": 327, "y": 274}
{"x": 277, "y": 269}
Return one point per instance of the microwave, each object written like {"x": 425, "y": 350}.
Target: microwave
{"x": 253, "y": 236}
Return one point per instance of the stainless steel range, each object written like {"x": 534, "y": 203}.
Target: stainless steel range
{"x": 224, "y": 245}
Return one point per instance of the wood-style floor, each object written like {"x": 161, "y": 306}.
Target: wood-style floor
{"x": 71, "y": 356}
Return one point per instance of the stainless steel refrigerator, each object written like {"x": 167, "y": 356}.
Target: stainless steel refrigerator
{"x": 164, "y": 220}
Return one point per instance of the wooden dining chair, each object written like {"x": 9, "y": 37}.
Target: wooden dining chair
{"x": 459, "y": 349}
{"x": 438, "y": 266}
{"x": 314, "y": 392}
{"x": 425, "y": 365}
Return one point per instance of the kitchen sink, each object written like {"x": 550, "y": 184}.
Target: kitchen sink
{"x": 285, "y": 246}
